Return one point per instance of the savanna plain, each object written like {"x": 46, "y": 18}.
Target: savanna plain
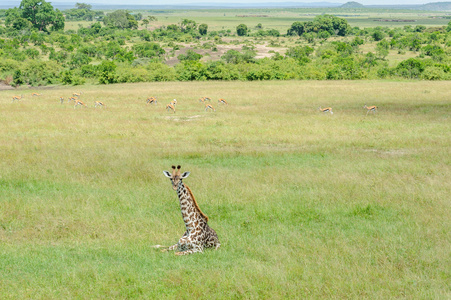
{"x": 305, "y": 204}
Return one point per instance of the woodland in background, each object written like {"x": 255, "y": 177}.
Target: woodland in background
{"x": 35, "y": 49}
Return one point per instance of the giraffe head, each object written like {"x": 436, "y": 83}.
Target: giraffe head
{"x": 176, "y": 177}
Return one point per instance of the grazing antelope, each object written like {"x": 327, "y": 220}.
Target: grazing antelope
{"x": 169, "y": 107}
{"x": 36, "y": 94}
{"x": 203, "y": 99}
{"x": 370, "y": 108}
{"x": 61, "y": 100}
{"x": 151, "y": 100}
{"x": 209, "y": 106}
{"x": 17, "y": 98}
{"x": 98, "y": 103}
{"x": 71, "y": 99}
{"x": 198, "y": 234}
{"x": 77, "y": 94}
{"x": 326, "y": 110}
{"x": 174, "y": 102}
{"x": 78, "y": 102}
{"x": 222, "y": 101}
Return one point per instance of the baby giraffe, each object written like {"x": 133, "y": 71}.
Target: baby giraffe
{"x": 198, "y": 234}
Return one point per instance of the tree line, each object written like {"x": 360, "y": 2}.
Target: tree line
{"x": 35, "y": 49}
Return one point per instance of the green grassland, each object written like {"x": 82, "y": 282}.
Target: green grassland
{"x": 306, "y": 205}
{"x": 281, "y": 19}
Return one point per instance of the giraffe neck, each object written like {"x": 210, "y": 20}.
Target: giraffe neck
{"x": 191, "y": 213}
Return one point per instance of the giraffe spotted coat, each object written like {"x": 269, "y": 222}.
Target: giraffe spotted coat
{"x": 198, "y": 234}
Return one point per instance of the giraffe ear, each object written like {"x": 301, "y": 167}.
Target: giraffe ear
{"x": 167, "y": 174}
{"x": 185, "y": 174}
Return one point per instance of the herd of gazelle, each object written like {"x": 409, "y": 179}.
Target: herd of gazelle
{"x": 171, "y": 106}
{"x": 372, "y": 109}
{"x": 77, "y": 102}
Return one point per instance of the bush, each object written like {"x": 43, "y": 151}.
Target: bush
{"x": 191, "y": 70}
{"x": 128, "y": 74}
{"x": 107, "y": 72}
{"x": 148, "y": 49}
{"x": 434, "y": 73}
{"x": 67, "y": 77}
{"x": 161, "y": 72}
{"x": 410, "y": 68}
{"x": 190, "y": 55}
{"x": 299, "y": 53}
{"x": 241, "y": 30}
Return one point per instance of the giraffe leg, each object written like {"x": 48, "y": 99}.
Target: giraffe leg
{"x": 195, "y": 248}
{"x": 181, "y": 242}
{"x": 171, "y": 248}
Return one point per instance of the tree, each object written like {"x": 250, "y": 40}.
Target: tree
{"x": 188, "y": 25}
{"x": 138, "y": 16}
{"x": 241, "y": 30}
{"x": 448, "y": 28}
{"x": 82, "y": 11}
{"x": 382, "y": 48}
{"x": 83, "y": 6}
{"x": 203, "y": 28}
{"x": 107, "y": 72}
{"x": 332, "y": 24}
{"x": 190, "y": 55}
{"x": 145, "y": 22}
{"x": 39, "y": 13}
{"x": 120, "y": 19}
{"x": 378, "y": 35}
{"x": 296, "y": 28}
{"x": 410, "y": 68}
{"x": 21, "y": 23}
{"x": 299, "y": 53}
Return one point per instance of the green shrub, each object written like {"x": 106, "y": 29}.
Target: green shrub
{"x": 127, "y": 74}
{"x": 434, "y": 73}
{"x": 161, "y": 72}
{"x": 107, "y": 72}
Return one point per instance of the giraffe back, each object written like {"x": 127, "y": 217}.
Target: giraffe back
{"x": 195, "y": 203}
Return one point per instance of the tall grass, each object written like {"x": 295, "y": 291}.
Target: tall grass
{"x": 305, "y": 204}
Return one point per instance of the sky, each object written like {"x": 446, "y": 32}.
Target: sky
{"x": 175, "y": 2}
{"x": 171, "y": 2}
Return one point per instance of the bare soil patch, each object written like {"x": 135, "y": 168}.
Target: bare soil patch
{"x": 262, "y": 50}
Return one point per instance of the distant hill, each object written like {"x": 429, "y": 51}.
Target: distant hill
{"x": 437, "y": 6}
{"x": 433, "y": 6}
{"x": 352, "y": 4}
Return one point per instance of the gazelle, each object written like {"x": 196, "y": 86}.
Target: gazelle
{"x": 98, "y": 103}
{"x": 36, "y": 94}
{"x": 61, "y": 100}
{"x": 222, "y": 101}
{"x": 78, "y": 102}
{"x": 370, "y": 108}
{"x": 209, "y": 106}
{"x": 151, "y": 100}
{"x": 77, "y": 94}
{"x": 326, "y": 110}
{"x": 169, "y": 107}
{"x": 71, "y": 99}
{"x": 174, "y": 102}
{"x": 17, "y": 98}
{"x": 203, "y": 99}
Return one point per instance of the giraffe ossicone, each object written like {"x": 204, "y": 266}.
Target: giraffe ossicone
{"x": 198, "y": 234}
